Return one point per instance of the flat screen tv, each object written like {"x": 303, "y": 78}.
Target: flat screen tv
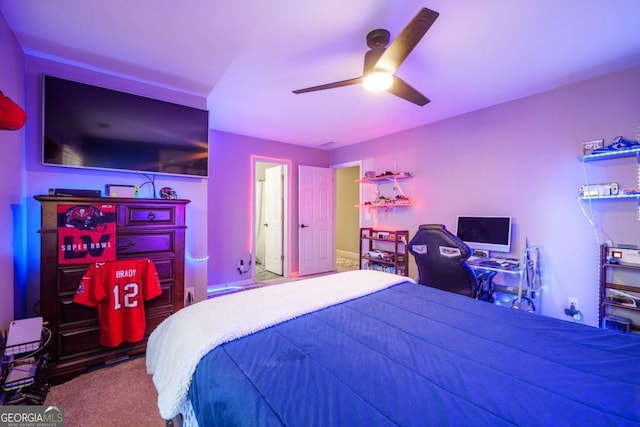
{"x": 491, "y": 233}
{"x": 93, "y": 127}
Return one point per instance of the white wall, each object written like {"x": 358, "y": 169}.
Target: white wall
{"x": 520, "y": 159}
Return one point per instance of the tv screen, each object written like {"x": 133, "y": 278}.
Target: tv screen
{"x": 483, "y": 232}
{"x": 92, "y": 127}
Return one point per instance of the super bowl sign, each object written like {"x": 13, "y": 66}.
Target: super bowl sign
{"x": 86, "y": 233}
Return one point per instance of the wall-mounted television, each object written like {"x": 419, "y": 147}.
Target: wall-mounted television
{"x": 491, "y": 233}
{"x": 88, "y": 126}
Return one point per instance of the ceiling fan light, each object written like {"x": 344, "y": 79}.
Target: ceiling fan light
{"x": 377, "y": 81}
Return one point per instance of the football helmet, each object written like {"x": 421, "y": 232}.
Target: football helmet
{"x": 85, "y": 217}
{"x": 168, "y": 193}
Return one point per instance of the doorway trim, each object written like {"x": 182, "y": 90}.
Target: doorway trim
{"x": 349, "y": 165}
{"x": 343, "y": 217}
{"x": 286, "y": 166}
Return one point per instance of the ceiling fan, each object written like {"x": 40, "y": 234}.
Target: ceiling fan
{"x": 381, "y": 63}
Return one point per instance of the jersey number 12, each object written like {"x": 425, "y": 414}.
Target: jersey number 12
{"x": 129, "y": 293}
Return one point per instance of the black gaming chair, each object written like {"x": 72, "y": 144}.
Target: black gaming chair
{"x": 441, "y": 258}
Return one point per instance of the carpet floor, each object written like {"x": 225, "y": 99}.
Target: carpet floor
{"x": 119, "y": 395}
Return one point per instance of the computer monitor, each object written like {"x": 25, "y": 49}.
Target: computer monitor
{"x": 492, "y": 233}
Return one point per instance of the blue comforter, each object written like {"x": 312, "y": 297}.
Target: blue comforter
{"x": 412, "y": 355}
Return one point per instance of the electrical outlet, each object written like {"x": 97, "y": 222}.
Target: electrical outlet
{"x": 190, "y": 294}
{"x": 574, "y": 301}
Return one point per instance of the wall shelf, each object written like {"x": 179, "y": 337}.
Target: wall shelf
{"x": 608, "y": 155}
{"x": 612, "y": 197}
{"x": 384, "y": 205}
{"x": 382, "y": 201}
{"x": 386, "y": 178}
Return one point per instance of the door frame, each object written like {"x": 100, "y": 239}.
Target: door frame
{"x": 275, "y": 176}
{"x": 336, "y": 166}
{"x": 286, "y": 166}
{"x": 349, "y": 165}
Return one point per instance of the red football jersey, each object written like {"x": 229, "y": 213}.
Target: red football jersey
{"x": 118, "y": 289}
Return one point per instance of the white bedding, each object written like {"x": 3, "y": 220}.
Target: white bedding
{"x": 176, "y": 346}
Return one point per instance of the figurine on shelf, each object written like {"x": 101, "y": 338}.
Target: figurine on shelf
{"x": 619, "y": 144}
{"x": 382, "y": 200}
{"x": 401, "y": 200}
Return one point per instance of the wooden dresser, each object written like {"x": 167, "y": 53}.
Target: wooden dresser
{"x": 144, "y": 228}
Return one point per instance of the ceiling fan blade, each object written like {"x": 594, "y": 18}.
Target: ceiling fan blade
{"x": 406, "y": 41}
{"x": 342, "y": 83}
{"x": 403, "y": 90}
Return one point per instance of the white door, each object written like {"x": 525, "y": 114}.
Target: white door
{"x": 273, "y": 219}
{"x": 316, "y": 220}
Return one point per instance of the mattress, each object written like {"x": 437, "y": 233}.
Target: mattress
{"x": 411, "y": 355}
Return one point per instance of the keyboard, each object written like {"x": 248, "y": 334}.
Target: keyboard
{"x": 505, "y": 264}
{"x": 490, "y": 263}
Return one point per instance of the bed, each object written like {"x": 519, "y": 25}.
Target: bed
{"x": 375, "y": 349}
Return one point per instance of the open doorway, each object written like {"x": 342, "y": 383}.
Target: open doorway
{"x": 347, "y": 216}
{"x": 270, "y": 220}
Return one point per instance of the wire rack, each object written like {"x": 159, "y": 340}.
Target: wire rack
{"x": 22, "y": 369}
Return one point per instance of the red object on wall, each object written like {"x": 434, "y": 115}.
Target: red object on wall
{"x": 86, "y": 233}
{"x": 12, "y": 116}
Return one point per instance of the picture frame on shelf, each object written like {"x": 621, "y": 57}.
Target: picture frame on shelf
{"x": 589, "y": 146}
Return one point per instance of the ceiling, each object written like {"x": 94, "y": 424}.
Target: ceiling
{"x": 246, "y": 56}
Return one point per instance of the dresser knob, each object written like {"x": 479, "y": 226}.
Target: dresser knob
{"x": 151, "y": 216}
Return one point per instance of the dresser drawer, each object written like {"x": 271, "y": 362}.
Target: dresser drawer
{"x": 133, "y": 215}
{"x": 165, "y": 268}
{"x": 69, "y": 278}
{"x": 165, "y": 299}
{"x": 153, "y": 322}
{"x": 131, "y": 244}
{"x": 72, "y": 312}
{"x": 77, "y": 341}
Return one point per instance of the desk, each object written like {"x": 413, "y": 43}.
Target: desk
{"x": 527, "y": 269}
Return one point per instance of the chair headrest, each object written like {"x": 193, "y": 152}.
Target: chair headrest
{"x": 436, "y": 239}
